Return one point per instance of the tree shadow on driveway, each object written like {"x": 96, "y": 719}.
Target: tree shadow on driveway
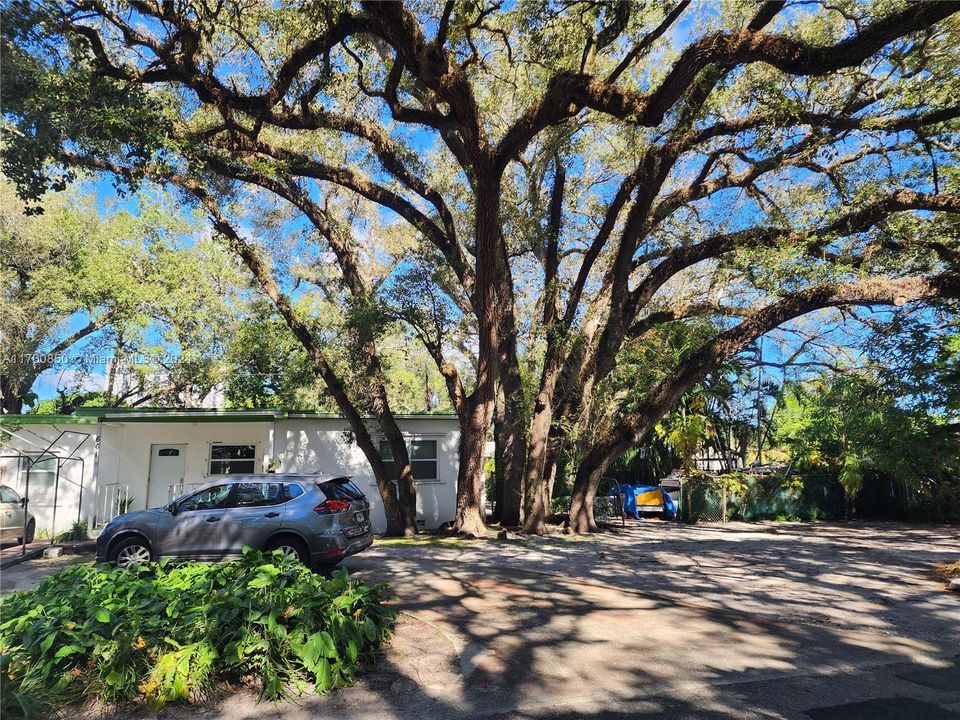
{"x": 655, "y": 622}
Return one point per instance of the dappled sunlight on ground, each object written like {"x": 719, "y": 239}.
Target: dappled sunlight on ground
{"x": 743, "y": 621}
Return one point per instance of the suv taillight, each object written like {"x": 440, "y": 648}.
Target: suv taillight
{"x": 331, "y": 506}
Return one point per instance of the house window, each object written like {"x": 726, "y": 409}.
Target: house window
{"x": 233, "y": 459}
{"x": 43, "y": 479}
{"x": 423, "y": 459}
{"x": 387, "y": 454}
{"x": 42, "y": 472}
{"x": 168, "y": 452}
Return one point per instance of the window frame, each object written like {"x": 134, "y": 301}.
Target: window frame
{"x": 435, "y": 459}
{"x": 211, "y": 460}
{"x": 33, "y": 460}
{"x": 228, "y": 503}
{"x": 286, "y": 491}
{"x": 281, "y": 493}
{"x": 384, "y": 445}
{"x": 7, "y": 488}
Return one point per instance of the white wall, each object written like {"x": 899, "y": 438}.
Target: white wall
{"x": 125, "y": 449}
{"x": 324, "y": 445}
{"x": 69, "y": 494}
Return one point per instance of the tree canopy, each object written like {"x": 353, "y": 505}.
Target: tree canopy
{"x": 539, "y": 190}
{"x": 84, "y": 287}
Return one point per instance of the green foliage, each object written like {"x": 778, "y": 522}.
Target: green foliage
{"x": 78, "y": 532}
{"x": 55, "y": 93}
{"x": 269, "y": 368}
{"x": 734, "y": 482}
{"x": 559, "y": 505}
{"x": 66, "y": 403}
{"x": 851, "y": 422}
{"x": 685, "y": 433}
{"x": 762, "y": 497}
{"x": 168, "y": 632}
{"x": 851, "y": 475}
{"x": 149, "y": 291}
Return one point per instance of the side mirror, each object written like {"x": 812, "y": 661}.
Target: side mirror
{"x": 172, "y": 507}
{"x": 23, "y": 503}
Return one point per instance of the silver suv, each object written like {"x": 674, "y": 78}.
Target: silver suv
{"x": 317, "y": 519}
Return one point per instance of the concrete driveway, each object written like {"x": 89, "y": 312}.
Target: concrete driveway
{"x": 770, "y": 621}
{"x": 812, "y": 622}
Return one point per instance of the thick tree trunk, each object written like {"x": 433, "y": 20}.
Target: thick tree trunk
{"x": 10, "y": 402}
{"x": 470, "y": 499}
{"x": 581, "y": 500}
{"x": 512, "y": 440}
{"x": 498, "y": 442}
{"x": 512, "y": 435}
{"x": 406, "y": 485}
{"x": 535, "y": 479}
{"x": 589, "y": 474}
{"x": 385, "y": 484}
{"x": 478, "y": 410}
{"x": 552, "y": 465}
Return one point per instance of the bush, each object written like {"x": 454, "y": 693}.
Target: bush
{"x": 165, "y": 632}
{"x": 77, "y": 533}
{"x": 560, "y": 505}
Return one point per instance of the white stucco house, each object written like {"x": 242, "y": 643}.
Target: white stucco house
{"x": 100, "y": 461}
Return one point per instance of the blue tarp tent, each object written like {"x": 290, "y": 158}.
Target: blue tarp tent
{"x": 631, "y": 493}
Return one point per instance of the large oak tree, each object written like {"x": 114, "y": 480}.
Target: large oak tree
{"x": 581, "y": 175}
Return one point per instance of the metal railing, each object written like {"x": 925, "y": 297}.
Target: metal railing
{"x": 112, "y": 500}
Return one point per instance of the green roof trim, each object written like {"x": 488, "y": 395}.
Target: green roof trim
{"x": 101, "y": 411}
{"x": 173, "y": 415}
{"x": 38, "y": 419}
{"x": 230, "y": 415}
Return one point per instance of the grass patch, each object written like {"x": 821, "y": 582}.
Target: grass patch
{"x": 167, "y": 632}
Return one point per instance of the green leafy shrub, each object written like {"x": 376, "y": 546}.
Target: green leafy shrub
{"x": 77, "y": 533}
{"x": 166, "y": 632}
{"x": 560, "y": 505}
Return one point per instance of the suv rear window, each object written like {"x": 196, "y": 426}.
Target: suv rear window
{"x": 341, "y": 490}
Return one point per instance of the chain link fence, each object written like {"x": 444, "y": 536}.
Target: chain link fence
{"x": 762, "y": 497}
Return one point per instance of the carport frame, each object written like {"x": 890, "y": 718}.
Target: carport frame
{"x": 44, "y": 455}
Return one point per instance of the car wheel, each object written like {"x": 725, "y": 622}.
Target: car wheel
{"x": 130, "y": 552}
{"x": 31, "y": 532}
{"x": 291, "y": 547}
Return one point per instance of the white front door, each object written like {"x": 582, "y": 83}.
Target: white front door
{"x": 167, "y": 464}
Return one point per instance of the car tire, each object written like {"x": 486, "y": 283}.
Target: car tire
{"x": 291, "y": 548}
{"x": 131, "y": 551}
{"x": 31, "y": 533}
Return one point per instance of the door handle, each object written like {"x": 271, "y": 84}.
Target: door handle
{"x": 272, "y": 514}
{"x": 213, "y": 519}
